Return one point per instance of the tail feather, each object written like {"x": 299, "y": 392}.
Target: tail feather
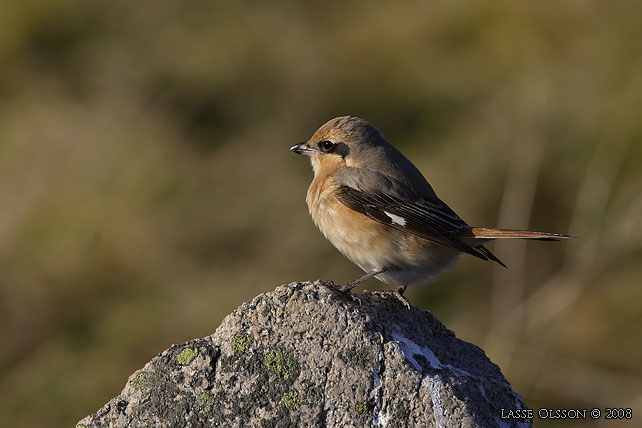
{"x": 475, "y": 236}
{"x": 485, "y": 251}
{"x": 486, "y": 233}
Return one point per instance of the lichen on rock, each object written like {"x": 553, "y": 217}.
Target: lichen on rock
{"x": 186, "y": 356}
{"x": 241, "y": 342}
{"x": 305, "y": 355}
{"x": 283, "y": 364}
{"x": 291, "y": 400}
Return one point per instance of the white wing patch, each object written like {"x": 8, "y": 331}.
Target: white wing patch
{"x": 396, "y": 219}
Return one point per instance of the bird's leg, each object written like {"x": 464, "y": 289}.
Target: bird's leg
{"x": 350, "y": 285}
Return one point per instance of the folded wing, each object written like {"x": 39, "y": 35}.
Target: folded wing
{"x": 430, "y": 219}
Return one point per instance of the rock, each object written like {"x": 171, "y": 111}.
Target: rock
{"x": 306, "y": 355}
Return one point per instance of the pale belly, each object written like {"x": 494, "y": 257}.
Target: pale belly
{"x": 406, "y": 258}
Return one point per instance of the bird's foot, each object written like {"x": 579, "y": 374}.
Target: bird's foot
{"x": 343, "y": 289}
{"x": 329, "y": 283}
{"x": 346, "y": 288}
{"x": 398, "y": 293}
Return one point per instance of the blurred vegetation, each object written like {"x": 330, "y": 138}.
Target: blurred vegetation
{"x": 146, "y": 188}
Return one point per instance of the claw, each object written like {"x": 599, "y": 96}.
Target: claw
{"x": 329, "y": 283}
{"x": 398, "y": 293}
{"x": 346, "y": 292}
{"x": 343, "y": 289}
{"x": 353, "y": 298}
{"x": 402, "y": 298}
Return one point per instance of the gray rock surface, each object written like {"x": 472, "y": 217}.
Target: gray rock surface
{"x": 306, "y": 355}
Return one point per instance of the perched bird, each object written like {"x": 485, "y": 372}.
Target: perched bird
{"x": 378, "y": 210}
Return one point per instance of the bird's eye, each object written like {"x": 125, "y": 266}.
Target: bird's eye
{"x": 326, "y": 145}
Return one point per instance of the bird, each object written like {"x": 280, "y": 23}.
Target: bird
{"x": 380, "y": 212}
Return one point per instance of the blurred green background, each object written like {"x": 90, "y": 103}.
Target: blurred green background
{"x": 146, "y": 187}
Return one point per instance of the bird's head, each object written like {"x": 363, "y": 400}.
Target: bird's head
{"x": 342, "y": 141}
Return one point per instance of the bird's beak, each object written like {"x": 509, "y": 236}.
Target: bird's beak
{"x": 302, "y": 149}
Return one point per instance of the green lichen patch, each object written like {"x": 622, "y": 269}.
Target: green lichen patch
{"x": 362, "y": 408}
{"x": 283, "y": 364}
{"x": 137, "y": 381}
{"x": 205, "y": 402}
{"x": 291, "y": 400}
{"x": 241, "y": 342}
{"x": 150, "y": 379}
{"x": 186, "y": 356}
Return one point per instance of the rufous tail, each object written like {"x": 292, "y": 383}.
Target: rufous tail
{"x": 486, "y": 233}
